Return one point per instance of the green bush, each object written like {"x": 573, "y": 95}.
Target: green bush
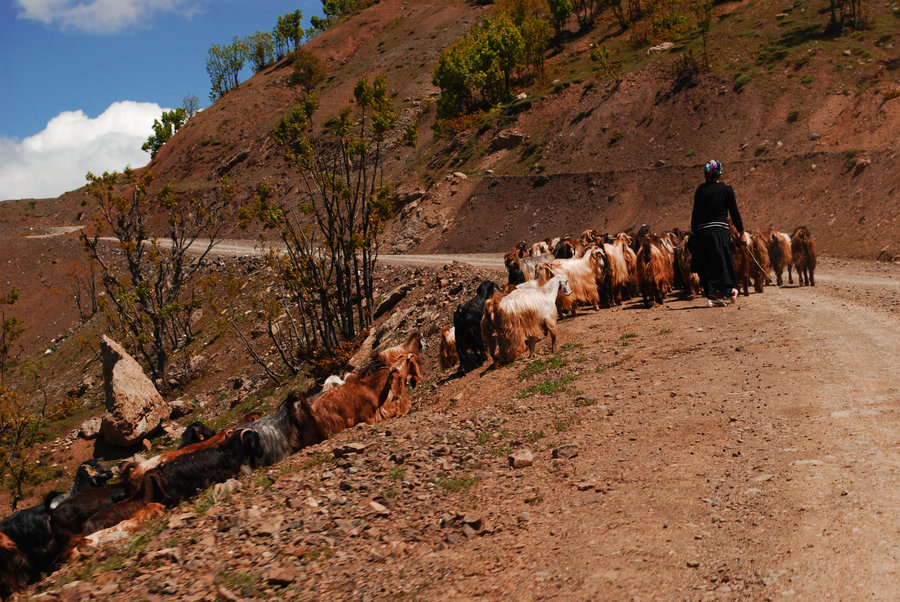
{"x": 740, "y": 81}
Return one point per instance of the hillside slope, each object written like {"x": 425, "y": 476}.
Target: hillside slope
{"x": 719, "y": 455}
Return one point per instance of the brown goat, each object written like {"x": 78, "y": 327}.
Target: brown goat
{"x": 780, "y": 255}
{"x": 690, "y": 280}
{"x": 655, "y": 270}
{"x": 414, "y": 344}
{"x": 740, "y": 252}
{"x": 759, "y": 262}
{"x": 447, "y": 352}
{"x": 623, "y": 242}
{"x": 615, "y": 281}
{"x": 582, "y": 274}
{"x": 371, "y": 398}
{"x": 803, "y": 250}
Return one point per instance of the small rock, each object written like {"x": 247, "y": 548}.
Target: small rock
{"x": 521, "y": 458}
{"x": 90, "y": 429}
{"x": 379, "y": 509}
{"x": 566, "y": 452}
{"x": 270, "y": 528}
{"x": 279, "y": 577}
{"x": 693, "y": 563}
{"x": 473, "y": 520}
{"x": 348, "y": 449}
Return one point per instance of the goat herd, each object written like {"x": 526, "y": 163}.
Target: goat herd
{"x": 554, "y": 277}
{"x": 36, "y": 539}
{"x": 547, "y": 280}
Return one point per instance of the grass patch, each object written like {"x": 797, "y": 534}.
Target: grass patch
{"x": 314, "y": 554}
{"x": 396, "y": 473}
{"x": 247, "y": 584}
{"x": 533, "y": 436}
{"x": 538, "y": 366}
{"x": 614, "y": 364}
{"x": 456, "y": 484}
{"x": 549, "y": 387}
{"x": 316, "y": 460}
{"x": 740, "y": 81}
{"x": 563, "y": 424}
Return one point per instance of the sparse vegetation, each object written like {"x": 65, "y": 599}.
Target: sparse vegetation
{"x": 550, "y": 387}
{"x": 456, "y": 484}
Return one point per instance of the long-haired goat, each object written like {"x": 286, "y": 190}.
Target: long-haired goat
{"x": 447, "y": 351}
{"x": 613, "y": 286}
{"x": 14, "y": 572}
{"x": 415, "y": 344}
{"x": 90, "y": 474}
{"x": 135, "y": 471}
{"x": 286, "y": 431}
{"x": 369, "y": 398}
{"x": 803, "y": 249}
{"x": 182, "y": 477}
{"x": 623, "y": 242}
{"x": 34, "y": 549}
{"x": 759, "y": 262}
{"x": 150, "y": 490}
{"x": 524, "y": 316}
{"x": 582, "y": 274}
{"x": 740, "y": 252}
{"x": 568, "y": 248}
{"x": 690, "y": 280}
{"x": 467, "y": 324}
{"x": 30, "y": 528}
{"x": 655, "y": 270}
{"x": 780, "y": 255}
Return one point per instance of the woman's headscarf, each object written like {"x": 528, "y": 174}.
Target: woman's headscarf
{"x": 712, "y": 170}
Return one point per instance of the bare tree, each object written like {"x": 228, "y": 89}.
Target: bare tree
{"x": 150, "y": 273}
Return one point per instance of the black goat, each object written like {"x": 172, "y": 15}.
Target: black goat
{"x": 467, "y": 322}
{"x": 90, "y": 474}
{"x": 67, "y": 520}
{"x": 182, "y": 477}
{"x": 286, "y": 431}
{"x": 195, "y": 432}
{"x": 34, "y": 548}
{"x": 30, "y": 529}
{"x": 151, "y": 489}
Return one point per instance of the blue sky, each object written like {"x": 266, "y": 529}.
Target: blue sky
{"x": 83, "y": 80}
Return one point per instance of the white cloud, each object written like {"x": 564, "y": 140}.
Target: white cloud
{"x": 57, "y": 159}
{"x": 102, "y": 16}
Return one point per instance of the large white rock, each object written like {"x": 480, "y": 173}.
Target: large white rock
{"x": 134, "y": 408}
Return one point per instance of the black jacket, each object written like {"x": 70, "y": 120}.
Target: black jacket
{"x": 713, "y": 203}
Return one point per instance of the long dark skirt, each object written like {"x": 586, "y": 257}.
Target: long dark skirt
{"x": 711, "y": 259}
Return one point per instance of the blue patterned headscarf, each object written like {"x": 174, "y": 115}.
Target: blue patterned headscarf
{"x": 713, "y": 170}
